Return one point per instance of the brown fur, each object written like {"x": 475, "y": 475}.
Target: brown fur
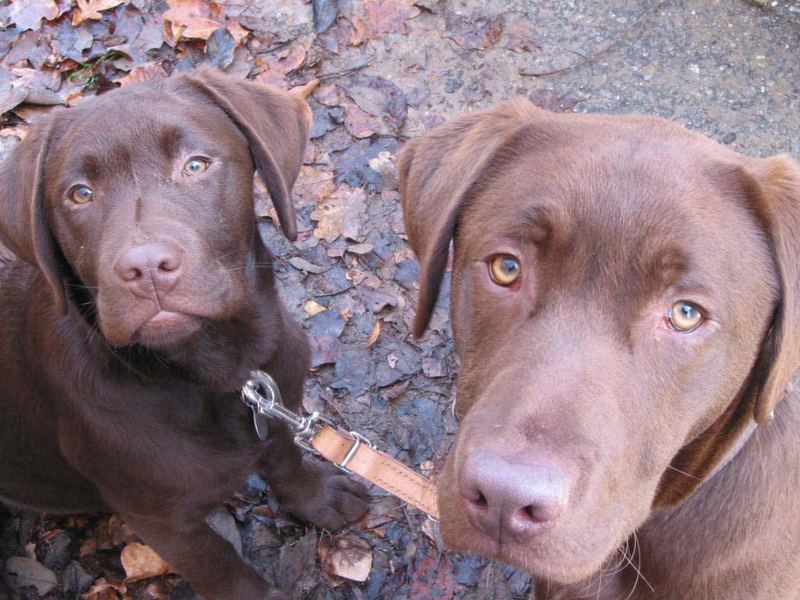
{"x": 574, "y": 367}
{"x": 103, "y": 409}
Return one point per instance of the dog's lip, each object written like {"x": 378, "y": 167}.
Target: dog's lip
{"x": 167, "y": 328}
{"x": 523, "y": 557}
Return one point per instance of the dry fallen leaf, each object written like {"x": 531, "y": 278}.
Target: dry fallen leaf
{"x": 148, "y": 72}
{"x": 105, "y": 590}
{"x": 312, "y": 186}
{"x": 90, "y": 9}
{"x": 29, "y": 15}
{"x": 275, "y": 67}
{"x": 348, "y": 557}
{"x": 382, "y": 17}
{"x": 376, "y": 333}
{"x": 328, "y": 94}
{"x": 359, "y": 124}
{"x": 305, "y": 90}
{"x": 340, "y": 214}
{"x": 197, "y": 20}
{"x": 474, "y": 33}
{"x": 141, "y": 562}
{"x": 313, "y": 307}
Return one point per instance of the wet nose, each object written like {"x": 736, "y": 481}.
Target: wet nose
{"x": 511, "y": 499}
{"x": 148, "y": 268}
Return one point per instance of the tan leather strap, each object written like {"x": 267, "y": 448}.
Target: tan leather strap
{"x": 354, "y": 454}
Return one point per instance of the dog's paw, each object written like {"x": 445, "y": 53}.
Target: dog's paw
{"x": 324, "y": 496}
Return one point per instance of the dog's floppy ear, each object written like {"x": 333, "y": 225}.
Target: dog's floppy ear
{"x": 275, "y": 124}
{"x": 777, "y": 202}
{"x": 436, "y": 172}
{"x": 23, "y": 217}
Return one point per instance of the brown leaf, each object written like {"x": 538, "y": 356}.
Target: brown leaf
{"x": 359, "y": 123}
{"x": 141, "y": 562}
{"x": 388, "y": 16}
{"x": 305, "y": 90}
{"x": 104, "y": 590}
{"x": 29, "y": 15}
{"x": 328, "y": 94}
{"x": 110, "y": 532}
{"x": 340, "y": 214}
{"x": 197, "y": 20}
{"x": 324, "y": 350}
{"x": 360, "y": 32}
{"x": 433, "y": 578}
{"x": 376, "y": 333}
{"x": 312, "y": 307}
{"x": 312, "y": 186}
{"x": 360, "y": 249}
{"x": 148, "y": 72}
{"x": 301, "y": 264}
{"x": 475, "y": 33}
{"x": 349, "y": 557}
{"x": 90, "y": 9}
{"x": 275, "y": 67}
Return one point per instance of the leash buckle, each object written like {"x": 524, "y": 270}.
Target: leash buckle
{"x": 358, "y": 439}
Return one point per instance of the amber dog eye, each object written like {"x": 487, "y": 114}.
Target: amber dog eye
{"x": 684, "y": 316}
{"x": 505, "y": 269}
{"x": 81, "y": 194}
{"x": 195, "y": 166}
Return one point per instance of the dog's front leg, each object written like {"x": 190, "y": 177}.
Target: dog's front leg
{"x": 205, "y": 559}
{"x": 311, "y": 490}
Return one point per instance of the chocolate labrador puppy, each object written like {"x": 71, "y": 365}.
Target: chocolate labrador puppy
{"x": 142, "y": 298}
{"x": 626, "y": 304}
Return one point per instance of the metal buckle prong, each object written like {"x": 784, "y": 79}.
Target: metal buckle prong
{"x": 358, "y": 439}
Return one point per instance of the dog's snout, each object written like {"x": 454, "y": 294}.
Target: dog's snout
{"x": 516, "y": 499}
{"x": 155, "y": 266}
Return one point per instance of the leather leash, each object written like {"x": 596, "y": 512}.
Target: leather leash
{"x": 350, "y": 451}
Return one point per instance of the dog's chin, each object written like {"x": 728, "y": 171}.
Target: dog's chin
{"x": 539, "y": 563}
{"x": 167, "y": 329}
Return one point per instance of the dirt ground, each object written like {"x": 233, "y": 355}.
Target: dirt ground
{"x": 390, "y": 70}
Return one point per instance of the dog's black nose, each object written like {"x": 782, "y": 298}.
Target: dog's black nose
{"x": 150, "y": 268}
{"x": 511, "y": 499}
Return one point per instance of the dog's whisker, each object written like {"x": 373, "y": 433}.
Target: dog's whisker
{"x": 683, "y": 473}
{"x": 254, "y": 265}
{"x": 637, "y": 554}
{"x": 226, "y": 255}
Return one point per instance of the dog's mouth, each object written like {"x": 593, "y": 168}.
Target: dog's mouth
{"x": 565, "y": 546}
{"x": 167, "y": 329}
{"x": 564, "y": 565}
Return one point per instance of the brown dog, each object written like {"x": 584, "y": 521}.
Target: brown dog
{"x": 145, "y": 298}
{"x": 626, "y": 305}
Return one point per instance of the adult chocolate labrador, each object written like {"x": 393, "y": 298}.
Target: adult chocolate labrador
{"x": 626, "y": 305}
{"x": 143, "y": 298}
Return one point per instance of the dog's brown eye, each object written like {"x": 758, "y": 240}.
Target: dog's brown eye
{"x": 505, "y": 269}
{"x": 195, "y": 165}
{"x": 684, "y": 316}
{"x": 81, "y": 194}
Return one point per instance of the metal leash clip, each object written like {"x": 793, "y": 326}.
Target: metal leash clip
{"x": 262, "y": 395}
{"x": 351, "y": 452}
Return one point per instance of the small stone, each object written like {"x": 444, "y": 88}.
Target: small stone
{"x": 454, "y": 84}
